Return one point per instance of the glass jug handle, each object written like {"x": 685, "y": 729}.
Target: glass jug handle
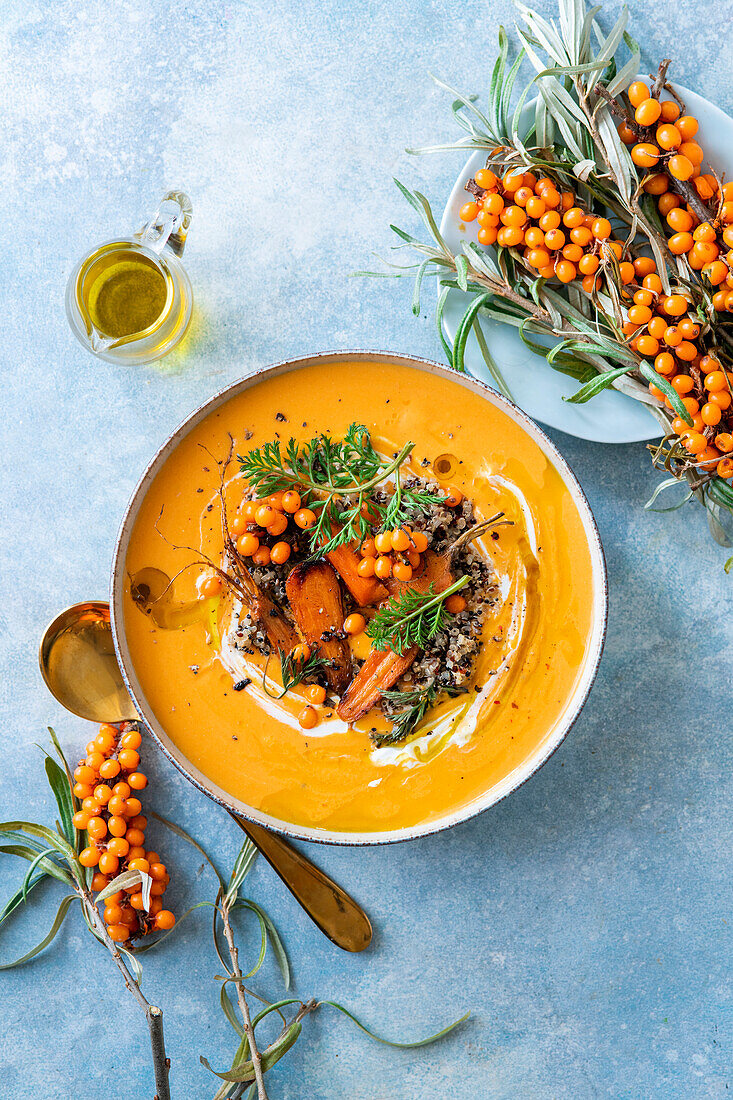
{"x": 169, "y": 224}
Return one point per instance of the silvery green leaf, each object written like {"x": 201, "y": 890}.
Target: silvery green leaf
{"x": 626, "y": 73}
{"x": 572, "y": 13}
{"x": 584, "y": 47}
{"x": 119, "y": 882}
{"x": 584, "y": 168}
{"x": 668, "y": 483}
{"x": 616, "y": 155}
{"x": 50, "y": 935}
{"x": 545, "y": 34}
{"x": 465, "y": 100}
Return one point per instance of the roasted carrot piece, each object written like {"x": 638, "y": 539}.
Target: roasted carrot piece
{"x": 381, "y": 671}
{"x": 365, "y": 590}
{"x": 280, "y": 633}
{"x": 436, "y": 571}
{"x": 315, "y": 601}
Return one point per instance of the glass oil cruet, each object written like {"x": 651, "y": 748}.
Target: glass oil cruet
{"x": 130, "y": 300}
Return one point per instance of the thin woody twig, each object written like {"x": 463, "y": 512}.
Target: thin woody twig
{"x": 242, "y": 1000}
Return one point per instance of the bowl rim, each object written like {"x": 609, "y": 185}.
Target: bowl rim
{"x": 515, "y": 778}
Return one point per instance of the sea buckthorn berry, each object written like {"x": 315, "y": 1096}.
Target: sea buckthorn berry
{"x": 626, "y": 271}
{"x": 549, "y": 220}
{"x": 652, "y": 282}
{"x": 704, "y": 232}
{"x": 109, "y": 769}
{"x": 117, "y": 805}
{"x": 261, "y": 556}
{"x": 365, "y": 568}
{"x": 565, "y": 271}
{"x": 668, "y": 137}
{"x": 131, "y": 740}
{"x": 152, "y": 857}
{"x": 509, "y": 236}
{"x": 158, "y": 889}
{"x": 129, "y": 759}
{"x": 101, "y": 882}
{"x": 139, "y": 865}
{"x": 722, "y": 400}
{"x": 644, "y": 265}
{"x": 725, "y": 468}
{"x": 354, "y": 624}
{"x": 112, "y": 914}
{"x": 692, "y": 151}
{"x": 674, "y": 305}
{"x": 573, "y": 217}
{"x": 383, "y": 542}
{"x": 155, "y": 906}
{"x": 686, "y": 351}
{"x": 383, "y": 567}
{"x": 493, "y": 204}
{"x": 554, "y": 239}
{"x": 724, "y": 442}
{"x": 535, "y": 207}
{"x": 133, "y": 807}
{"x": 538, "y": 257}
{"x": 639, "y": 314}
{"x": 238, "y": 526}
{"x": 670, "y": 110}
{"x": 592, "y": 283}
{"x": 280, "y": 553}
{"x": 249, "y": 508}
{"x": 301, "y": 653}
{"x": 645, "y": 155}
{"x": 80, "y": 820}
{"x": 657, "y": 327}
{"x": 93, "y": 760}
{"x": 681, "y": 382}
{"x": 601, "y": 229}
{"x": 656, "y": 183}
{"x": 136, "y": 900}
{"x": 680, "y": 243}
{"x": 248, "y": 544}
{"x": 82, "y": 790}
{"x": 291, "y": 502}
{"x": 137, "y": 781}
{"x": 672, "y": 337}
{"x": 680, "y": 167}
{"x": 588, "y": 265}
{"x": 308, "y": 718}
{"x": 702, "y": 253}
{"x": 400, "y": 539}
{"x": 136, "y": 851}
{"x": 581, "y": 235}
{"x": 264, "y": 515}
{"x": 139, "y": 822}
{"x": 97, "y": 828}
{"x": 711, "y": 414}
{"x": 117, "y": 825}
{"x": 89, "y": 857}
{"x": 455, "y": 603}
{"x": 85, "y": 774}
{"x": 513, "y": 180}
{"x": 574, "y": 252}
{"x": 118, "y": 846}
{"x": 468, "y": 211}
{"x": 648, "y": 112}
{"x": 549, "y": 272}
{"x": 368, "y": 548}
{"x": 452, "y": 496}
{"x": 278, "y": 526}
{"x": 513, "y": 215}
{"x": 667, "y": 202}
{"x": 691, "y": 405}
{"x": 305, "y": 518}
{"x": 109, "y": 864}
{"x": 688, "y": 328}
{"x": 102, "y": 794}
{"x": 314, "y": 693}
{"x": 486, "y": 178}
{"x": 487, "y": 235}
{"x": 679, "y": 220}
{"x": 91, "y": 806}
{"x": 487, "y": 220}
{"x": 626, "y": 134}
{"x": 647, "y": 345}
{"x": 135, "y": 837}
{"x": 402, "y": 571}
{"x": 716, "y": 272}
{"x": 643, "y": 297}
{"x": 638, "y": 92}
{"x": 694, "y": 442}
{"x": 413, "y": 558}
{"x": 687, "y": 126}
{"x": 164, "y": 920}
{"x": 211, "y": 587}
{"x": 129, "y": 916}
{"x": 118, "y": 933}
{"x": 420, "y": 541}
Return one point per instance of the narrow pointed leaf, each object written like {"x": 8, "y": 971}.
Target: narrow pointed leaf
{"x": 48, "y": 938}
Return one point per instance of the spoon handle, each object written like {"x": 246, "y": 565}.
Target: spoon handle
{"x": 329, "y": 906}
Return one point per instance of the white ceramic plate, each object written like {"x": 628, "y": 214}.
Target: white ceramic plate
{"x": 611, "y": 417}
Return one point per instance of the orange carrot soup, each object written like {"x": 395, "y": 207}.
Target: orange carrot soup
{"x": 358, "y": 597}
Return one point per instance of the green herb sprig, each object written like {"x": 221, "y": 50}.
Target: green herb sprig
{"x": 412, "y": 618}
{"x": 416, "y": 704}
{"x": 338, "y": 478}
{"x": 293, "y": 672}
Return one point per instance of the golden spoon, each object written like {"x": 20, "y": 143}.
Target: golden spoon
{"x": 79, "y": 666}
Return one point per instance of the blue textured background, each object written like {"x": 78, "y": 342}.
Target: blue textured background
{"x": 584, "y": 920}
